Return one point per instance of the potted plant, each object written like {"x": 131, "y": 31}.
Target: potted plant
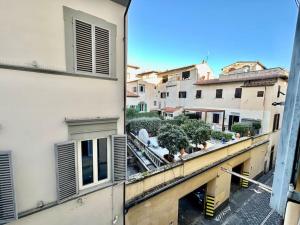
{"x": 172, "y": 138}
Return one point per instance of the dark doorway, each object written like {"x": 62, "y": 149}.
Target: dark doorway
{"x": 233, "y": 119}
{"x": 235, "y": 181}
{"x": 191, "y": 207}
{"x": 271, "y": 158}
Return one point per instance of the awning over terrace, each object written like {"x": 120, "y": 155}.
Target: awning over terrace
{"x": 206, "y": 111}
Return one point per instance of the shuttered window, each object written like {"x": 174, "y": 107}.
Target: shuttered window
{"x": 7, "y": 195}
{"x": 119, "y": 143}
{"x": 92, "y": 48}
{"x": 90, "y": 44}
{"x": 65, "y": 170}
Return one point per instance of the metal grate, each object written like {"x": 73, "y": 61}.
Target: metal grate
{"x": 102, "y": 50}
{"x": 7, "y": 196}
{"x": 120, "y": 157}
{"x": 66, "y": 170}
{"x": 84, "y": 46}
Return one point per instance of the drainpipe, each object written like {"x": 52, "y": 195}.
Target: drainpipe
{"x": 125, "y": 60}
{"x": 125, "y": 78}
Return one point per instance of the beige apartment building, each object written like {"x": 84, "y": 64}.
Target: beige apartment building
{"x": 141, "y": 89}
{"x": 62, "y": 87}
{"x": 244, "y": 92}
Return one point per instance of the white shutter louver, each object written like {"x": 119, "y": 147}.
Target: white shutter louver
{"x": 65, "y": 170}
{"x": 84, "y": 46}
{"x": 102, "y": 50}
{"x": 7, "y": 194}
{"x": 119, "y": 143}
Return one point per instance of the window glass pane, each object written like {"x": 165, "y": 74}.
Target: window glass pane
{"x": 87, "y": 162}
{"x": 102, "y": 158}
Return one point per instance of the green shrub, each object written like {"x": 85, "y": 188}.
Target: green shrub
{"x": 197, "y": 131}
{"x": 173, "y": 138}
{"x": 218, "y": 135}
{"x": 133, "y": 113}
{"x": 241, "y": 128}
{"x": 256, "y": 125}
{"x": 151, "y": 124}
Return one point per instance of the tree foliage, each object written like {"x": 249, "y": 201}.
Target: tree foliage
{"x": 197, "y": 131}
{"x": 151, "y": 124}
{"x": 241, "y": 128}
{"x": 173, "y": 138}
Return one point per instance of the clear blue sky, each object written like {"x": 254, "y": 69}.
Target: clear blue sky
{"x": 165, "y": 34}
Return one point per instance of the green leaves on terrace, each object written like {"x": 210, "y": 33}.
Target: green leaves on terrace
{"x": 173, "y": 138}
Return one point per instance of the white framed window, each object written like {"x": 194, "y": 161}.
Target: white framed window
{"x": 94, "y": 162}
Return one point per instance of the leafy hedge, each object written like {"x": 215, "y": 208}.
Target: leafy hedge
{"x": 151, "y": 124}
{"x": 219, "y": 135}
{"x": 133, "y": 113}
{"x": 242, "y": 128}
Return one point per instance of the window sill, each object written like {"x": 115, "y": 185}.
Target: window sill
{"x": 95, "y": 188}
{"x": 54, "y": 72}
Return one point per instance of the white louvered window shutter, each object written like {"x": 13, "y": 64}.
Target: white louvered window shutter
{"x": 102, "y": 50}
{"x": 119, "y": 143}
{"x": 83, "y": 47}
{"x": 7, "y": 194}
{"x": 66, "y": 179}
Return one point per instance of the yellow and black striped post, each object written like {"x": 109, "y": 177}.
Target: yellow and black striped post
{"x": 209, "y": 206}
{"x": 245, "y": 183}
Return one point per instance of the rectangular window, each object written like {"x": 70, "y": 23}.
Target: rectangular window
{"x": 167, "y": 94}
{"x": 278, "y": 92}
{"x": 134, "y": 89}
{"x": 91, "y": 48}
{"x": 260, "y": 94}
{"x": 93, "y": 162}
{"x": 186, "y": 75}
{"x": 154, "y": 103}
{"x": 182, "y": 94}
{"x": 219, "y": 93}
{"x": 142, "y": 88}
{"x": 165, "y": 79}
{"x": 198, "y": 93}
{"x": 238, "y": 93}
{"x": 163, "y": 95}
{"x": 87, "y": 162}
{"x": 90, "y": 44}
{"x": 216, "y": 118}
{"x": 276, "y": 122}
{"x": 102, "y": 158}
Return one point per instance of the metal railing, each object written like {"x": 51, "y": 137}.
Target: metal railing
{"x": 157, "y": 161}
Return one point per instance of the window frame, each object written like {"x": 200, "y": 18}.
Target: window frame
{"x": 238, "y": 92}
{"x": 214, "y": 118}
{"x": 197, "y": 96}
{"x": 70, "y": 16}
{"x": 217, "y": 93}
{"x": 184, "y": 93}
{"x": 95, "y": 182}
{"x": 258, "y": 94}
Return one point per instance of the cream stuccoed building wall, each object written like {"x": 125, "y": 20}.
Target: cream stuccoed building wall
{"x": 46, "y": 100}
{"x": 246, "y": 93}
